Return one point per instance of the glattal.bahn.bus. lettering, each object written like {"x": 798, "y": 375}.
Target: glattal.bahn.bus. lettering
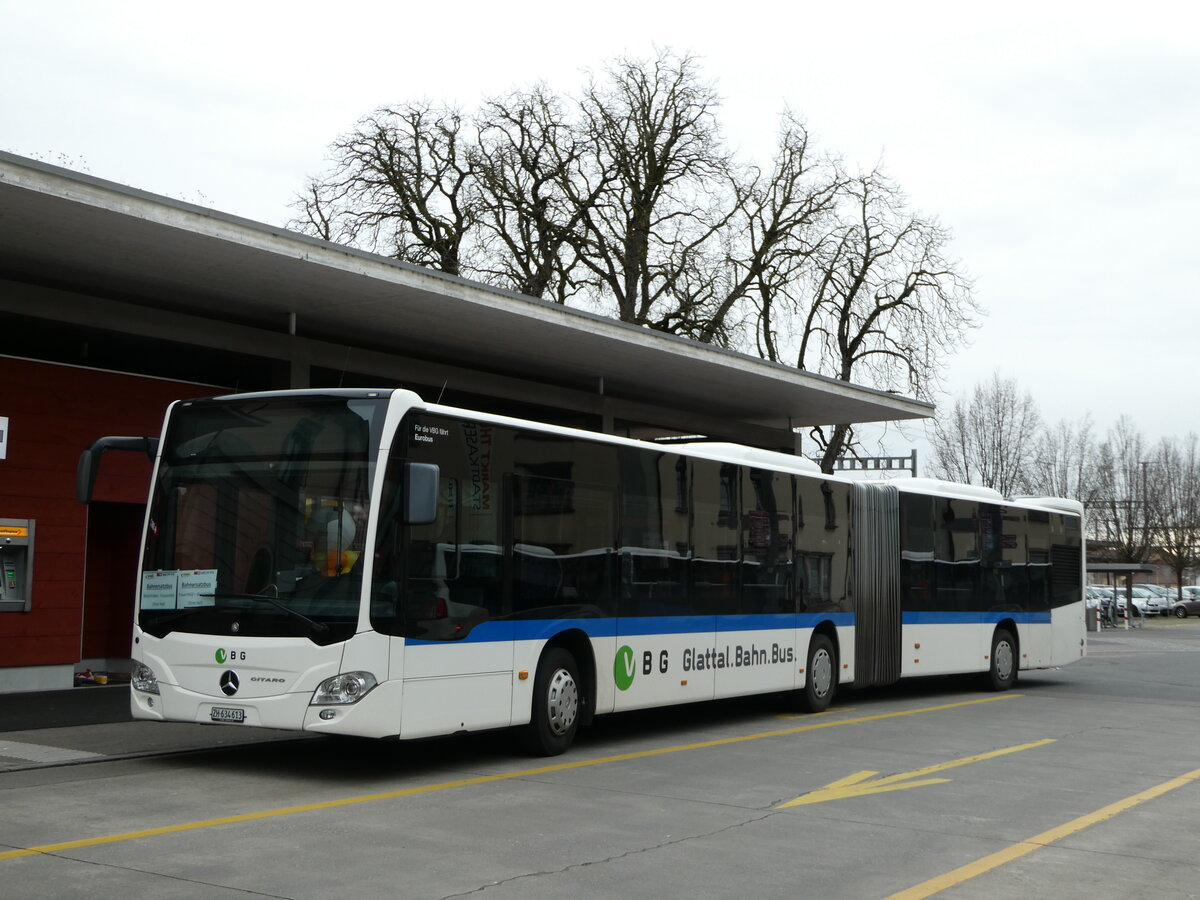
{"x": 712, "y": 658}
{"x": 697, "y": 659}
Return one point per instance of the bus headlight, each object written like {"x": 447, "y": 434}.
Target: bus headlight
{"x": 349, "y": 687}
{"x": 143, "y": 679}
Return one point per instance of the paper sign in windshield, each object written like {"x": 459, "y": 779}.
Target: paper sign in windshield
{"x": 159, "y": 589}
{"x": 173, "y": 589}
{"x": 197, "y": 588}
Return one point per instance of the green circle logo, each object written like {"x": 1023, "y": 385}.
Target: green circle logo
{"x": 623, "y": 668}
{"x": 221, "y": 655}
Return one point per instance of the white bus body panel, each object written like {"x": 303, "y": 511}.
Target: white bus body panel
{"x": 604, "y": 649}
{"x": 1069, "y": 634}
{"x": 1034, "y": 640}
{"x": 454, "y": 686}
{"x": 944, "y": 648}
{"x": 758, "y": 661}
{"x": 845, "y": 649}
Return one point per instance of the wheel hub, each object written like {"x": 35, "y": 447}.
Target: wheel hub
{"x": 562, "y": 702}
{"x": 1004, "y": 659}
{"x": 821, "y": 672}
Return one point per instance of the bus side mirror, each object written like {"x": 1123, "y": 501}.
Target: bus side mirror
{"x": 420, "y": 493}
{"x": 89, "y": 460}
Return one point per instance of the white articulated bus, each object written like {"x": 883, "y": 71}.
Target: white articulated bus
{"x": 362, "y": 562}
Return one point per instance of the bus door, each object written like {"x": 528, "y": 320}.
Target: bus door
{"x": 664, "y": 649}
{"x": 438, "y": 590}
{"x": 756, "y": 634}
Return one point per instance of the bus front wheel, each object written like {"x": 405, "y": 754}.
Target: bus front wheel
{"x": 820, "y": 675}
{"x": 554, "y": 717}
{"x": 1002, "y": 672}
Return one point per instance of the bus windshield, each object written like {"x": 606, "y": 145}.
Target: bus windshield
{"x": 259, "y": 515}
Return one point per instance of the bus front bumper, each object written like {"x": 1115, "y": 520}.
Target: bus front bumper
{"x": 376, "y": 715}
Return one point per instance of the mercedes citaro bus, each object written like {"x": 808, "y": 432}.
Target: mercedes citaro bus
{"x": 362, "y": 562}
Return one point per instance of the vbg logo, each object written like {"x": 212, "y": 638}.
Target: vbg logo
{"x": 222, "y": 654}
{"x": 623, "y": 668}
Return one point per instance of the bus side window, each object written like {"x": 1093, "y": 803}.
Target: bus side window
{"x": 713, "y": 567}
{"x": 957, "y": 555}
{"x": 766, "y": 541}
{"x": 654, "y": 513}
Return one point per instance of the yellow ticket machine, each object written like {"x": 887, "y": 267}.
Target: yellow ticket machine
{"x": 16, "y": 564}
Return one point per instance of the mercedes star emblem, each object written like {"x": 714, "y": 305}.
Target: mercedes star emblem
{"x": 229, "y": 683}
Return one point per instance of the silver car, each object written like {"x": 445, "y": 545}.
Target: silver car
{"x": 1150, "y": 600}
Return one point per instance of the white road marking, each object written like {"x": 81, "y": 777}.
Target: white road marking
{"x": 42, "y": 752}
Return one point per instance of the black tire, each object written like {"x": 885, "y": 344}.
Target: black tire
{"x": 554, "y": 717}
{"x": 1181, "y": 612}
{"x": 820, "y": 675}
{"x": 1003, "y": 664}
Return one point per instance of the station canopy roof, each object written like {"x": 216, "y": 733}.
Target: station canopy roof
{"x": 81, "y": 234}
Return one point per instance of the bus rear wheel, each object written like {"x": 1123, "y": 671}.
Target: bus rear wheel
{"x": 820, "y": 675}
{"x": 1002, "y": 671}
{"x": 554, "y": 717}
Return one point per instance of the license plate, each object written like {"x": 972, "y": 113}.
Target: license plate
{"x": 228, "y": 714}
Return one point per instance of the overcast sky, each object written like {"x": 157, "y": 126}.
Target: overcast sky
{"x": 1059, "y": 142}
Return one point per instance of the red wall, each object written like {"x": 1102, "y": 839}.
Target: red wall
{"x": 54, "y": 413}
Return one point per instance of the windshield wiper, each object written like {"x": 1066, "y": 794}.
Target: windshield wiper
{"x": 318, "y": 627}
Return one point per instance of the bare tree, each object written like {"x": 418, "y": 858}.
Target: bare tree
{"x": 885, "y": 305}
{"x": 1121, "y": 517}
{"x": 662, "y": 184}
{"x": 776, "y": 230}
{"x": 401, "y": 185}
{"x": 1177, "y": 465}
{"x": 990, "y": 440}
{"x": 1064, "y": 461}
{"x": 528, "y": 162}
{"x": 624, "y": 199}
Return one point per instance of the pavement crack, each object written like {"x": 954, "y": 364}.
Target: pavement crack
{"x": 636, "y": 851}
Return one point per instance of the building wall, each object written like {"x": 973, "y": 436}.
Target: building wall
{"x": 54, "y": 412}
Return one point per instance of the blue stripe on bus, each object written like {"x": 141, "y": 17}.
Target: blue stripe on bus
{"x": 540, "y": 629}
{"x": 974, "y": 618}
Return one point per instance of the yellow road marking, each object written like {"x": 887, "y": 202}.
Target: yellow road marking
{"x": 858, "y": 785}
{"x": 841, "y": 709}
{"x": 480, "y": 779}
{"x": 1016, "y": 851}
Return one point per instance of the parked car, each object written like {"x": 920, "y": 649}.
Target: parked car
{"x": 1103, "y": 596}
{"x": 1150, "y": 602}
{"x": 1188, "y": 606}
{"x": 1162, "y": 598}
{"x": 1191, "y": 592}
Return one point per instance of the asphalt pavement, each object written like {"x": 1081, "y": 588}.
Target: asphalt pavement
{"x": 93, "y": 722}
{"x": 1080, "y": 784}
{"x": 72, "y": 708}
